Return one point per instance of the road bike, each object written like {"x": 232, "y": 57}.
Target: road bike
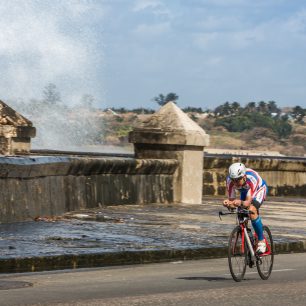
{"x": 242, "y": 245}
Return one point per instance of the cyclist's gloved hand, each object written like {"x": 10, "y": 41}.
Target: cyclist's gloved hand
{"x": 237, "y": 203}
{"x": 227, "y": 203}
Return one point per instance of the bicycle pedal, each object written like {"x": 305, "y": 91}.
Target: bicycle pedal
{"x": 252, "y": 264}
{"x": 259, "y": 261}
{"x": 259, "y": 254}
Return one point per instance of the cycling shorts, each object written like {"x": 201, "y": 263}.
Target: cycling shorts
{"x": 258, "y": 197}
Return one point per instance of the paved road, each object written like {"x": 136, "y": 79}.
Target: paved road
{"x": 202, "y": 282}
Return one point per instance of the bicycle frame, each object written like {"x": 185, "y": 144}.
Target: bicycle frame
{"x": 243, "y": 216}
{"x": 242, "y": 247}
{"x": 245, "y": 236}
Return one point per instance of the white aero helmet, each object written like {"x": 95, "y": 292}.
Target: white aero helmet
{"x": 236, "y": 170}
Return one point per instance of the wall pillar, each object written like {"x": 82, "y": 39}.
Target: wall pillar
{"x": 15, "y": 132}
{"x": 171, "y": 134}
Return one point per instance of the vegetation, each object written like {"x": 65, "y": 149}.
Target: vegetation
{"x": 257, "y": 125}
{"x": 191, "y": 109}
{"x": 298, "y": 113}
{"x": 139, "y": 110}
{"x": 162, "y": 100}
{"x": 267, "y": 115}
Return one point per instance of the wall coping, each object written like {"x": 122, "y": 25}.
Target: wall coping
{"x": 39, "y": 166}
{"x": 258, "y": 163}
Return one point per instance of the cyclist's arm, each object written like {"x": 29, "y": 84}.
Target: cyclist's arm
{"x": 244, "y": 203}
{"x": 229, "y": 202}
{"x": 231, "y": 191}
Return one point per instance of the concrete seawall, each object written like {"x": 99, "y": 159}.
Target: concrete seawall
{"x": 284, "y": 176}
{"x": 166, "y": 167}
{"x": 40, "y": 186}
{"x": 34, "y": 186}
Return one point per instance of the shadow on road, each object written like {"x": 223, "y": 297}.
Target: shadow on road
{"x": 207, "y": 278}
{"x": 6, "y": 285}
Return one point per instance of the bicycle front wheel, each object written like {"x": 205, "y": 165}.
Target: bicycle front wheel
{"x": 265, "y": 263}
{"x": 237, "y": 254}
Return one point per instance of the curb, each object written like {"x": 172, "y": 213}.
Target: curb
{"x": 60, "y": 262}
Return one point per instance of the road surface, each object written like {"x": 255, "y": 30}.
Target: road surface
{"x": 202, "y": 282}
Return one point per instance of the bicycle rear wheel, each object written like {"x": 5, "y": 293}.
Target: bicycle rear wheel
{"x": 237, "y": 255}
{"x": 265, "y": 263}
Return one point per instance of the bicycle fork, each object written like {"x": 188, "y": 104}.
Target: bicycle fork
{"x": 254, "y": 256}
{"x": 249, "y": 243}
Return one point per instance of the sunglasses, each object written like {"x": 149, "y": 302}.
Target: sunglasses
{"x": 236, "y": 180}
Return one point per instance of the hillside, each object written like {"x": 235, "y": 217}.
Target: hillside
{"x": 257, "y": 126}
{"x": 257, "y": 138}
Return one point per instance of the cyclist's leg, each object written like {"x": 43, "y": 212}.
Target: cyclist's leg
{"x": 255, "y": 204}
{"x": 257, "y": 201}
{"x": 256, "y": 222}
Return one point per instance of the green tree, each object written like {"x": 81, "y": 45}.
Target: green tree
{"x": 223, "y": 110}
{"x": 228, "y": 109}
{"x": 250, "y": 107}
{"x": 235, "y": 123}
{"x": 51, "y": 95}
{"x": 247, "y": 121}
{"x": 261, "y": 120}
{"x": 235, "y": 108}
{"x": 298, "y": 113}
{"x": 190, "y": 109}
{"x": 262, "y": 107}
{"x": 162, "y": 100}
{"x": 282, "y": 127}
{"x": 272, "y": 107}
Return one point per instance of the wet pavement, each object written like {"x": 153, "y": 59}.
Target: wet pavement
{"x": 133, "y": 228}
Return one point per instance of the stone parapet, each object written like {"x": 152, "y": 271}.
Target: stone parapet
{"x": 15, "y": 132}
{"x": 44, "y": 186}
{"x": 170, "y": 133}
{"x": 48, "y": 186}
{"x": 284, "y": 176}
{"x": 258, "y": 162}
{"x": 30, "y": 167}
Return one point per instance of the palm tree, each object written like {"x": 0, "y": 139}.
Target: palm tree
{"x": 250, "y": 107}
{"x": 272, "y": 107}
{"x": 162, "y": 100}
{"x": 235, "y": 106}
{"x": 262, "y": 107}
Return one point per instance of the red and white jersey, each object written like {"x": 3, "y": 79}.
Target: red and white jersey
{"x": 254, "y": 186}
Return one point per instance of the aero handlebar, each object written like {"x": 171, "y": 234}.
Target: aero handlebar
{"x": 240, "y": 211}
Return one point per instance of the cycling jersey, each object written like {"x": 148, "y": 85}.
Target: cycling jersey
{"x": 254, "y": 186}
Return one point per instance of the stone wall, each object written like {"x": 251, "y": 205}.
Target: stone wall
{"x": 45, "y": 186}
{"x": 16, "y": 131}
{"x": 168, "y": 168}
{"x": 170, "y": 133}
{"x": 34, "y": 186}
{"x": 284, "y": 176}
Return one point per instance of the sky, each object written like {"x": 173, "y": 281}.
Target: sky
{"x": 126, "y": 52}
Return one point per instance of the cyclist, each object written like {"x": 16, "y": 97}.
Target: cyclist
{"x": 253, "y": 190}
